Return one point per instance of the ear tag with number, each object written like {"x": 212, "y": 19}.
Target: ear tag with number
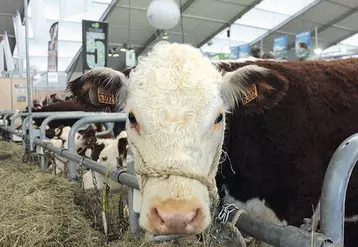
{"x": 105, "y": 97}
{"x": 251, "y": 95}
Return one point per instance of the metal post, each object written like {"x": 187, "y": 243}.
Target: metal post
{"x": 105, "y": 132}
{"x": 133, "y": 216}
{"x": 23, "y": 131}
{"x": 335, "y": 188}
{"x": 28, "y": 75}
{"x": 18, "y": 133}
{"x": 113, "y": 117}
{"x": 109, "y": 126}
{"x": 278, "y": 236}
{"x": 316, "y": 36}
{"x": 12, "y": 125}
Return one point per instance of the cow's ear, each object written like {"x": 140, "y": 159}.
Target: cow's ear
{"x": 104, "y": 89}
{"x": 58, "y": 130}
{"x": 253, "y": 88}
{"x": 90, "y": 132}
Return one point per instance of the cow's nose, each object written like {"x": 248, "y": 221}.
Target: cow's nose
{"x": 174, "y": 222}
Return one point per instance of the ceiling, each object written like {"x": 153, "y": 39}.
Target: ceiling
{"x": 250, "y": 21}
{"x": 7, "y": 10}
{"x": 205, "y": 24}
{"x": 335, "y": 21}
{"x": 201, "y": 18}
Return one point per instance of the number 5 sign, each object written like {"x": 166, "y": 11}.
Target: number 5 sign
{"x": 94, "y": 43}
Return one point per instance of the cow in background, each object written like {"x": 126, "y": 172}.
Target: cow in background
{"x": 281, "y": 122}
{"x": 109, "y": 150}
{"x": 69, "y": 105}
{"x": 59, "y": 139}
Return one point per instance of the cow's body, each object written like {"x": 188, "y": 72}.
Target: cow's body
{"x": 279, "y": 141}
{"x": 281, "y": 155}
{"x": 70, "y": 105}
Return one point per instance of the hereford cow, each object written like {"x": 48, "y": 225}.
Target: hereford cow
{"x": 69, "y": 105}
{"x": 111, "y": 150}
{"x": 282, "y": 121}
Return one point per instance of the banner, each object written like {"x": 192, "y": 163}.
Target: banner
{"x": 94, "y": 44}
{"x": 52, "y": 62}
{"x": 280, "y": 47}
{"x": 303, "y": 44}
{"x": 244, "y": 51}
{"x": 72, "y": 7}
{"x": 39, "y": 23}
{"x": 2, "y": 65}
{"x": 235, "y": 51}
{"x": 19, "y": 36}
{"x": 130, "y": 58}
{"x": 8, "y": 55}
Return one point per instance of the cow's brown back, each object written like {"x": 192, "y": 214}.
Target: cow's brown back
{"x": 281, "y": 154}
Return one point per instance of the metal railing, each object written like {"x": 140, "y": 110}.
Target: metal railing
{"x": 332, "y": 200}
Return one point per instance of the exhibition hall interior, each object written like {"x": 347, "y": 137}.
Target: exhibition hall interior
{"x": 221, "y": 29}
{"x": 204, "y": 123}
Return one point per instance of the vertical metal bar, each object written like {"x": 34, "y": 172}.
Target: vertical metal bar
{"x": 28, "y": 76}
{"x": 133, "y": 216}
{"x": 316, "y": 36}
{"x": 12, "y": 96}
{"x": 335, "y": 188}
{"x": 261, "y": 47}
{"x": 23, "y": 128}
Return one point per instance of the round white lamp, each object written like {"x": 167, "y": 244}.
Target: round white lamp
{"x": 163, "y": 14}
{"x": 317, "y": 51}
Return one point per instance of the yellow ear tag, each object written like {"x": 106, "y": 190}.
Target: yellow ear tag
{"x": 104, "y": 97}
{"x": 251, "y": 95}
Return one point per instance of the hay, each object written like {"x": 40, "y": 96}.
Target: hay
{"x": 40, "y": 209}
{"x": 37, "y": 209}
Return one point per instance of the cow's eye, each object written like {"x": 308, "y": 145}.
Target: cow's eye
{"x": 219, "y": 118}
{"x": 132, "y": 118}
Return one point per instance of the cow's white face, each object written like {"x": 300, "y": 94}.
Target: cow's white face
{"x": 176, "y": 99}
{"x": 176, "y": 120}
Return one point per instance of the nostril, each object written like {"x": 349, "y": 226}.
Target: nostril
{"x": 156, "y": 215}
{"x": 196, "y": 218}
{"x": 195, "y": 215}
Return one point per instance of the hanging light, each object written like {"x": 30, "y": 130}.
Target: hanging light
{"x": 130, "y": 46}
{"x": 114, "y": 52}
{"x": 123, "y": 48}
{"x": 163, "y": 14}
{"x": 343, "y": 50}
{"x": 318, "y": 51}
{"x": 127, "y": 46}
{"x": 165, "y": 36}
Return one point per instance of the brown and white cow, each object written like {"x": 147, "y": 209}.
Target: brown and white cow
{"x": 285, "y": 121}
{"x": 110, "y": 149}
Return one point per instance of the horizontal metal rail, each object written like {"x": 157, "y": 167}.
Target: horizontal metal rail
{"x": 278, "y": 236}
{"x": 113, "y": 117}
{"x": 15, "y": 132}
{"x": 42, "y": 115}
{"x": 116, "y": 174}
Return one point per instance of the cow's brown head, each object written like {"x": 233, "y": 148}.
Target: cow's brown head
{"x": 177, "y": 99}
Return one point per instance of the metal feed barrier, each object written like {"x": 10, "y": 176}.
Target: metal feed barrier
{"x": 333, "y": 196}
